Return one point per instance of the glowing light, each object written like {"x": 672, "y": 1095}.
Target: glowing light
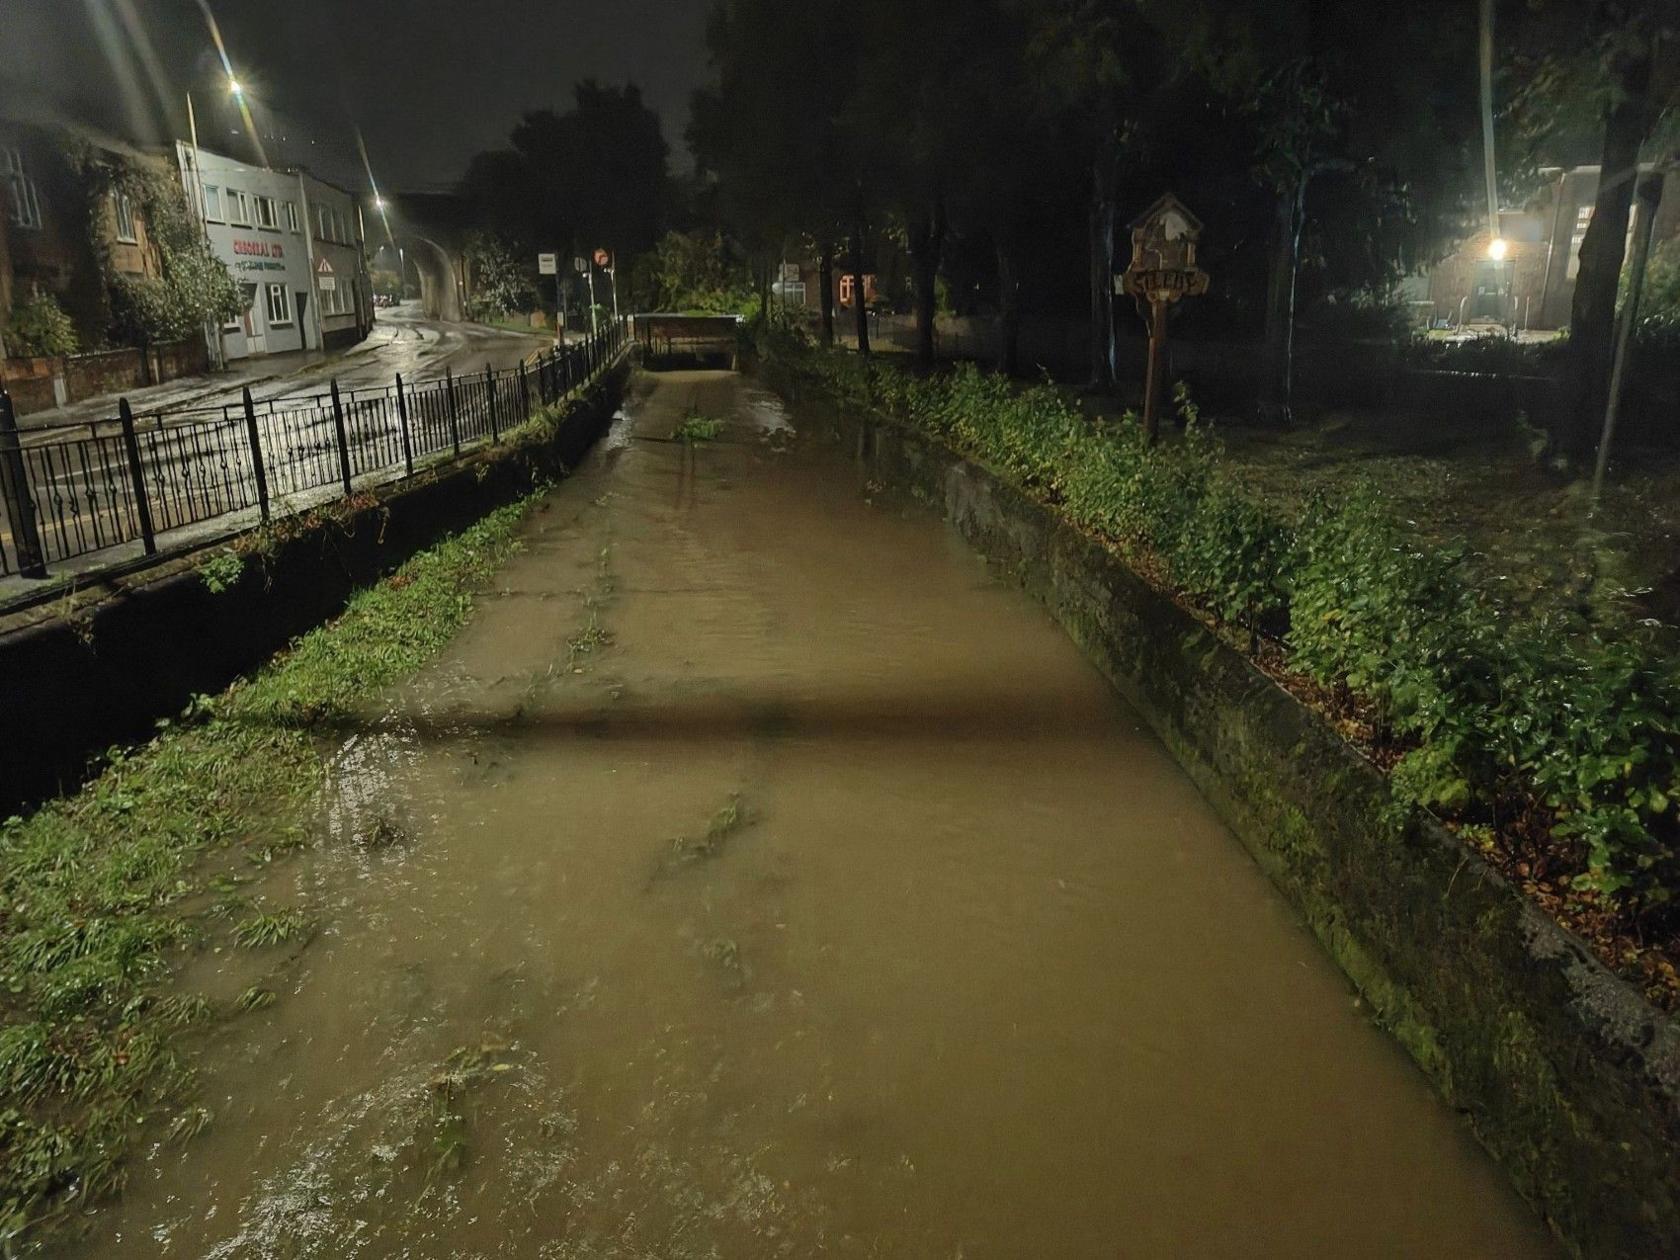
{"x": 234, "y": 87}
{"x": 1497, "y": 248}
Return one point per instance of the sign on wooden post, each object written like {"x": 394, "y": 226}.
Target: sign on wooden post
{"x": 1162, "y": 270}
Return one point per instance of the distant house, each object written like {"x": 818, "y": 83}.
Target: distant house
{"x": 800, "y": 286}
{"x": 1533, "y": 286}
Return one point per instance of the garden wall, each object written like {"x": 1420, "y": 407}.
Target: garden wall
{"x": 36, "y": 383}
{"x": 1569, "y": 1077}
{"x": 99, "y": 668}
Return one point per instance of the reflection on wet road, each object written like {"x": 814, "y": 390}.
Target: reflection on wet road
{"x": 755, "y": 876}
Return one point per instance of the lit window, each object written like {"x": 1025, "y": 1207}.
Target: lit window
{"x": 238, "y": 208}
{"x": 23, "y": 202}
{"x": 212, "y": 203}
{"x": 279, "y": 305}
{"x": 124, "y": 208}
{"x": 291, "y": 216}
{"x": 265, "y": 214}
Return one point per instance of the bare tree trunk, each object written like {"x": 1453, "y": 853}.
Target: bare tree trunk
{"x": 859, "y": 309}
{"x": 1280, "y": 300}
{"x": 927, "y": 240}
{"x": 1009, "y": 308}
{"x": 825, "y": 288}
{"x": 1102, "y": 272}
{"x": 1592, "y": 322}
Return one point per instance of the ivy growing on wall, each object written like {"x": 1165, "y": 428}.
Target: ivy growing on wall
{"x": 192, "y": 287}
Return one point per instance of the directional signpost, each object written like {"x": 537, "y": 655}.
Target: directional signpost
{"x": 582, "y": 264}
{"x": 549, "y": 265}
{"x": 1162, "y": 270}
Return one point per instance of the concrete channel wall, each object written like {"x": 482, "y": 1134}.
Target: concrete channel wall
{"x": 1567, "y": 1075}
{"x": 99, "y": 668}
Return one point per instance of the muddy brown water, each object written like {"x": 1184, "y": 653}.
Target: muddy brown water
{"x": 973, "y": 971}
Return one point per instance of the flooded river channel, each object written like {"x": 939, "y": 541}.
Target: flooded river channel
{"x": 757, "y": 876}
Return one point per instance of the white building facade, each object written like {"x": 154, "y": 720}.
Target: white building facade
{"x": 293, "y": 242}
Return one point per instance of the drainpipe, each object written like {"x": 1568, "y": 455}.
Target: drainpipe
{"x": 309, "y": 254}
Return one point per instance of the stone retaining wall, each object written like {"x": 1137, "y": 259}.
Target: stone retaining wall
{"x": 1567, "y": 1075}
{"x": 100, "y": 667}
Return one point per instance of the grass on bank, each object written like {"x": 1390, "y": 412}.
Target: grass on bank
{"x": 1546, "y": 733}
{"x": 95, "y": 887}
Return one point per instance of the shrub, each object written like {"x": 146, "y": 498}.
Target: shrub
{"x": 39, "y": 326}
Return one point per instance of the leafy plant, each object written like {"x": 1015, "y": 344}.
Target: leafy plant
{"x": 39, "y": 326}
{"x": 697, "y": 428}
{"x": 221, "y": 571}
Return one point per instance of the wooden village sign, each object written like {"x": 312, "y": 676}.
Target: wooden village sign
{"x": 1162, "y": 270}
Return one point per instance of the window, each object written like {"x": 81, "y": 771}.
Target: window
{"x": 322, "y": 220}
{"x": 212, "y": 203}
{"x": 279, "y": 305}
{"x": 126, "y": 231}
{"x": 238, "y": 208}
{"x": 266, "y": 217}
{"x": 291, "y": 216}
{"x": 23, "y": 203}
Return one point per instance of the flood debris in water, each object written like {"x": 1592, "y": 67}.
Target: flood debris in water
{"x": 729, "y": 819}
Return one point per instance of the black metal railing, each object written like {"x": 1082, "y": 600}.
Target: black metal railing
{"x": 73, "y": 490}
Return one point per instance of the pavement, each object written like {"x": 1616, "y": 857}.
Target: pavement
{"x": 402, "y": 341}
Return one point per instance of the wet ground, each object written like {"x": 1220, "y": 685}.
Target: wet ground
{"x": 756, "y": 876}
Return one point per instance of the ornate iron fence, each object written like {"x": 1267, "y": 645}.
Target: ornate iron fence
{"x": 85, "y": 488}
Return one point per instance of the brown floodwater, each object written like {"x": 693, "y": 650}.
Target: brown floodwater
{"x": 757, "y": 876}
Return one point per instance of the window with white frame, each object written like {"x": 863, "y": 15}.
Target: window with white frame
{"x": 292, "y": 217}
{"x": 238, "y": 208}
{"x": 123, "y": 210}
{"x": 279, "y": 306}
{"x": 23, "y": 202}
{"x": 212, "y": 203}
{"x": 321, "y": 224}
{"x": 266, "y": 215}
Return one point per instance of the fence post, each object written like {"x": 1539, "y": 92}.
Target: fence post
{"x": 343, "y": 442}
{"x": 131, "y": 444}
{"x": 454, "y": 417}
{"x": 14, "y": 490}
{"x": 256, "y": 453}
{"x": 524, "y": 392}
{"x": 490, "y": 395}
{"x": 402, "y": 421}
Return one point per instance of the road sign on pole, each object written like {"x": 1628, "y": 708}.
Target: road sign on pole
{"x": 548, "y": 264}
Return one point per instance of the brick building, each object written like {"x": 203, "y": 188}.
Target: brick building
{"x": 50, "y": 237}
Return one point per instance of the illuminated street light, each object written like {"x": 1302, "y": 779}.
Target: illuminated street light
{"x": 1497, "y": 248}
{"x": 235, "y": 89}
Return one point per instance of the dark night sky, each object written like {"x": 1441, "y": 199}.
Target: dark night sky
{"x": 430, "y": 82}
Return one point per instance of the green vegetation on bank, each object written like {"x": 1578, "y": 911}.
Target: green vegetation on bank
{"x": 1550, "y": 740}
{"x": 103, "y": 889}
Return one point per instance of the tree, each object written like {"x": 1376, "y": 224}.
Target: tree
{"x": 767, "y": 131}
{"x": 499, "y": 281}
{"x": 593, "y": 177}
{"x": 1624, "y": 67}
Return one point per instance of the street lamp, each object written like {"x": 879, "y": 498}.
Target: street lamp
{"x": 1497, "y": 248}
{"x": 234, "y": 88}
